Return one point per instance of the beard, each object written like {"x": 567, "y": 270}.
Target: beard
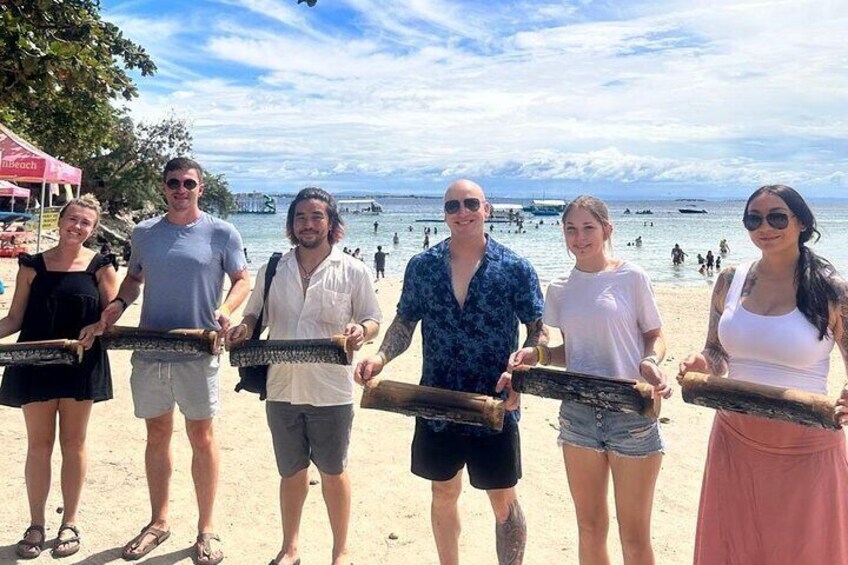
{"x": 310, "y": 244}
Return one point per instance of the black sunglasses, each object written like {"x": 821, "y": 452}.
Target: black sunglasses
{"x": 777, "y": 220}
{"x": 174, "y": 184}
{"x": 471, "y": 204}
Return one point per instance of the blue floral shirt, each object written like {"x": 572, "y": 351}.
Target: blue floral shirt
{"x": 466, "y": 349}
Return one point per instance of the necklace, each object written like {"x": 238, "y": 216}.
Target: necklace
{"x": 307, "y": 275}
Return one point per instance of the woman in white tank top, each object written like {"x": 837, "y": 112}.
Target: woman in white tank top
{"x": 775, "y": 492}
{"x": 610, "y": 325}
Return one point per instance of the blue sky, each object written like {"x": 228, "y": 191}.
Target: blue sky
{"x": 627, "y": 99}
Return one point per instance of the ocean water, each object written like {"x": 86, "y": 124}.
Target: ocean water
{"x": 543, "y": 243}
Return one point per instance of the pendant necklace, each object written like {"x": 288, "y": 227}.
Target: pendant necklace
{"x": 307, "y": 275}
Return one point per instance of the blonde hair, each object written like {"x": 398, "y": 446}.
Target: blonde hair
{"x": 594, "y": 206}
{"x": 87, "y": 201}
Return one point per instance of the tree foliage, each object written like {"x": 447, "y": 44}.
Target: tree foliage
{"x": 60, "y": 67}
{"x": 217, "y": 198}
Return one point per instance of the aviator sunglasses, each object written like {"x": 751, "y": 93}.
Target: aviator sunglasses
{"x": 777, "y": 220}
{"x": 471, "y": 204}
{"x": 174, "y": 184}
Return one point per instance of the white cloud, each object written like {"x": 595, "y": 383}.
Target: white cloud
{"x": 735, "y": 93}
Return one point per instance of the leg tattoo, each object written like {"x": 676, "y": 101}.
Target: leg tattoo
{"x": 511, "y": 537}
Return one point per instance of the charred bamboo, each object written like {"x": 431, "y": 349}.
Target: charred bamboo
{"x": 279, "y": 351}
{"x": 610, "y": 394}
{"x": 49, "y": 352}
{"x": 171, "y": 341}
{"x": 434, "y": 403}
{"x": 776, "y": 403}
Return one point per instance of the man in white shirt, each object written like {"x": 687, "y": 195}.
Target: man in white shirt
{"x": 317, "y": 292}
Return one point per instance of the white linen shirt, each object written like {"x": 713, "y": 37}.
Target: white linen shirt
{"x": 340, "y": 292}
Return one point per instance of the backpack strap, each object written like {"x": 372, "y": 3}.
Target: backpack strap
{"x": 270, "y": 271}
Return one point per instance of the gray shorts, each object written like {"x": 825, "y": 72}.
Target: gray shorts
{"x": 192, "y": 385}
{"x": 622, "y": 433}
{"x": 301, "y": 432}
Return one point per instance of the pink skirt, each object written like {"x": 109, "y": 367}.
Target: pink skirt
{"x": 774, "y": 493}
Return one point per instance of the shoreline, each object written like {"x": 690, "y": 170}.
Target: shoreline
{"x": 387, "y": 498}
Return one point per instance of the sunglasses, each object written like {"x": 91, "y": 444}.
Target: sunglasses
{"x": 174, "y": 184}
{"x": 777, "y": 220}
{"x": 471, "y": 204}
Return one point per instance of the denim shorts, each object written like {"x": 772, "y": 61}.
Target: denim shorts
{"x": 192, "y": 385}
{"x": 623, "y": 433}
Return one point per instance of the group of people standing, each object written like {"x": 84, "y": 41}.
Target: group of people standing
{"x": 471, "y": 295}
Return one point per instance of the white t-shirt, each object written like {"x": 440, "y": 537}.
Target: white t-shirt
{"x": 340, "y": 292}
{"x": 603, "y": 316}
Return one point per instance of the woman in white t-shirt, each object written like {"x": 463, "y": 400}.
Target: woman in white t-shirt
{"x": 606, "y": 312}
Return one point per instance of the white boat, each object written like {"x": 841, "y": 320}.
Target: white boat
{"x": 360, "y": 206}
{"x": 546, "y": 207}
{"x": 506, "y": 213}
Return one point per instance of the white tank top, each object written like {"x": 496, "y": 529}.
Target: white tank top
{"x": 782, "y": 351}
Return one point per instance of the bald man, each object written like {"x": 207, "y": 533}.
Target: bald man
{"x": 470, "y": 293}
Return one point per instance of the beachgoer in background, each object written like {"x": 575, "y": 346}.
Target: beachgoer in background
{"x": 58, "y": 293}
{"x": 774, "y": 321}
{"x": 638, "y": 241}
{"x": 611, "y": 327}
{"x": 718, "y": 263}
{"x": 396, "y": 239}
{"x": 246, "y": 257}
{"x": 426, "y": 241}
{"x": 702, "y": 269}
{"x": 357, "y": 254}
{"x": 376, "y": 225}
{"x": 701, "y": 259}
{"x": 181, "y": 259}
{"x": 467, "y": 285}
{"x": 723, "y": 247}
{"x": 710, "y": 261}
{"x": 380, "y": 262}
{"x": 677, "y": 255}
{"x": 310, "y": 406}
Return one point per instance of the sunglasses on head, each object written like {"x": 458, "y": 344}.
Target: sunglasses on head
{"x": 777, "y": 220}
{"x": 471, "y": 204}
{"x": 174, "y": 184}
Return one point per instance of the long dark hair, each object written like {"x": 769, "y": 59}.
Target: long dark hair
{"x": 814, "y": 275}
{"x": 336, "y": 232}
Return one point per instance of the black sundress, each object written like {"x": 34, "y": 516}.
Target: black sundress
{"x": 60, "y": 304}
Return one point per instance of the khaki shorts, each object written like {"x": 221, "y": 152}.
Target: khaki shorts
{"x": 192, "y": 385}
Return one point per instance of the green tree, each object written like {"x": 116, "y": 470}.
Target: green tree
{"x": 128, "y": 176}
{"x": 217, "y": 198}
{"x": 60, "y": 67}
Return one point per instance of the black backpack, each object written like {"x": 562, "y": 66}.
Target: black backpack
{"x": 255, "y": 378}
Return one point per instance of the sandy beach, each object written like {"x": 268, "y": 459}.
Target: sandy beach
{"x": 390, "y": 510}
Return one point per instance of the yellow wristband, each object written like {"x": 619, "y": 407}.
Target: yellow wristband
{"x": 225, "y": 309}
{"x": 542, "y": 355}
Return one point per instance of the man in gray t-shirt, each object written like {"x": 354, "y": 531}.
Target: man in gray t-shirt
{"x": 180, "y": 259}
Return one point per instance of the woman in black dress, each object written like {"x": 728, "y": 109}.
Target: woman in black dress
{"x": 57, "y": 293}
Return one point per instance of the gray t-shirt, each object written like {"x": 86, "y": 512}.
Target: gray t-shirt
{"x": 183, "y": 268}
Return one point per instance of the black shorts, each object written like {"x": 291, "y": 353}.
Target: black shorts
{"x": 494, "y": 461}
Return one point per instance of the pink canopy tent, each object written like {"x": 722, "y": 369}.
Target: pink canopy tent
{"x": 23, "y": 162}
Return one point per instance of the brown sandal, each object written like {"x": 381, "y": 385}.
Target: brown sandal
{"x": 73, "y": 541}
{"x": 131, "y": 553}
{"x": 27, "y": 549}
{"x": 205, "y": 555}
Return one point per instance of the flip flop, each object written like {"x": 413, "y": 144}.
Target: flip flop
{"x": 27, "y": 549}
{"x": 274, "y": 562}
{"x": 130, "y": 552}
{"x": 204, "y": 555}
{"x": 74, "y": 542}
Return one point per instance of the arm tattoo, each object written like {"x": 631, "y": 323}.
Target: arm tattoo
{"x": 511, "y": 536}
{"x": 398, "y": 337}
{"x": 714, "y": 351}
{"x": 842, "y": 321}
{"x": 536, "y": 334}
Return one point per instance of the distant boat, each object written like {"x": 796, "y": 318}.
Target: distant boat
{"x": 627, "y": 210}
{"x": 691, "y": 209}
{"x": 644, "y": 212}
{"x": 505, "y": 213}
{"x": 255, "y": 203}
{"x": 546, "y": 207}
{"x": 364, "y": 206}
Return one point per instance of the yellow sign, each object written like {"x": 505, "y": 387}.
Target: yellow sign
{"x": 51, "y": 220}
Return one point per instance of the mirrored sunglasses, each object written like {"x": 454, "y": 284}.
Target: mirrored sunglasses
{"x": 471, "y": 204}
